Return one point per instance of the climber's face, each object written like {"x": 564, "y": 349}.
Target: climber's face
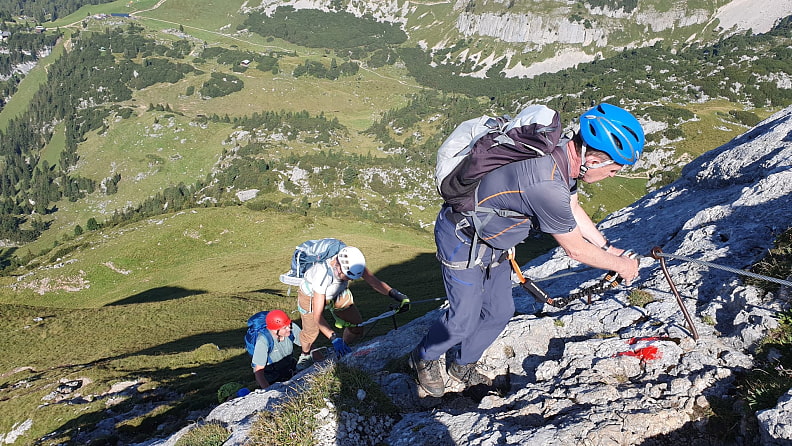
{"x": 599, "y": 170}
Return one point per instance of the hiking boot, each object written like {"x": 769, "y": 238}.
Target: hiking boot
{"x": 429, "y": 376}
{"x": 304, "y": 362}
{"x": 467, "y": 374}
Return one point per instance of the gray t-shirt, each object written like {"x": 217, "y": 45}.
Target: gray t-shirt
{"x": 280, "y": 349}
{"x": 535, "y": 188}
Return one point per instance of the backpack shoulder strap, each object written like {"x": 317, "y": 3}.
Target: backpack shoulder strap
{"x": 270, "y": 342}
{"x": 476, "y": 254}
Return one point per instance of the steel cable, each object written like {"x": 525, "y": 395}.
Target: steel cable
{"x": 725, "y": 268}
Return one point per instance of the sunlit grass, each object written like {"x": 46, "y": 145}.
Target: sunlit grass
{"x": 209, "y": 434}
{"x": 335, "y": 388}
{"x": 211, "y": 250}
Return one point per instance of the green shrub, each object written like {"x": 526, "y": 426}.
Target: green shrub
{"x": 640, "y": 298}
{"x": 745, "y": 117}
{"x": 777, "y": 263}
{"x": 221, "y": 84}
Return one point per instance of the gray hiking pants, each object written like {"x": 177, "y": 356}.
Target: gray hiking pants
{"x": 480, "y": 305}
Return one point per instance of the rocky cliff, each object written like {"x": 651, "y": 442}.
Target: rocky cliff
{"x": 610, "y": 373}
{"x": 537, "y": 37}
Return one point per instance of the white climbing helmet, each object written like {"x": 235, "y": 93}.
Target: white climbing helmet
{"x": 352, "y": 262}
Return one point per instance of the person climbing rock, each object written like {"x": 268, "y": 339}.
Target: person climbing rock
{"x": 326, "y": 285}
{"x": 273, "y": 359}
{"x": 542, "y": 193}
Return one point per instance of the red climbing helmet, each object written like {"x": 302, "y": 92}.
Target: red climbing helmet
{"x": 277, "y": 319}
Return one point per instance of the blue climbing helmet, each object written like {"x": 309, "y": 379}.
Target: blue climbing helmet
{"x": 613, "y": 130}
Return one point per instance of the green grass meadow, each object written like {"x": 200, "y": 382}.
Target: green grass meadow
{"x": 166, "y": 308}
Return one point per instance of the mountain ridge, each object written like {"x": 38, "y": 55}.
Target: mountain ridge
{"x": 559, "y": 36}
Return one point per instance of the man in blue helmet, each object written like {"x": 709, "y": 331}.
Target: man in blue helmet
{"x": 545, "y": 191}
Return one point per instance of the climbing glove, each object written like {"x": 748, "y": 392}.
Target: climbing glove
{"x": 404, "y": 301}
{"x": 340, "y": 347}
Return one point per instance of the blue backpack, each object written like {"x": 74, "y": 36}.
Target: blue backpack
{"x": 258, "y": 324}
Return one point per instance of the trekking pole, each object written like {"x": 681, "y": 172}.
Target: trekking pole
{"x": 392, "y": 314}
{"x": 393, "y": 317}
{"x": 385, "y": 315}
{"x": 427, "y": 300}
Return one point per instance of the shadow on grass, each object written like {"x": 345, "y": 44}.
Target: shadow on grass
{"x": 159, "y": 294}
{"x": 188, "y": 390}
{"x": 183, "y": 394}
{"x": 7, "y": 256}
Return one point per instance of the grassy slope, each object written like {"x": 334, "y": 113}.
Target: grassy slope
{"x": 152, "y": 155}
{"x": 168, "y": 298}
{"x": 211, "y": 250}
{"x": 120, "y": 6}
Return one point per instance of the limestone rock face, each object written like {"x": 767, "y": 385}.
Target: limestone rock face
{"x": 525, "y": 28}
{"x": 537, "y": 37}
{"x": 777, "y": 423}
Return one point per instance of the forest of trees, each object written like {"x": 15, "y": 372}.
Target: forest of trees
{"x": 356, "y": 38}
{"x": 221, "y": 84}
{"x": 90, "y": 75}
{"x": 23, "y": 45}
{"x": 317, "y": 29}
{"x": 235, "y": 58}
{"x": 42, "y": 10}
{"x": 333, "y": 72}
